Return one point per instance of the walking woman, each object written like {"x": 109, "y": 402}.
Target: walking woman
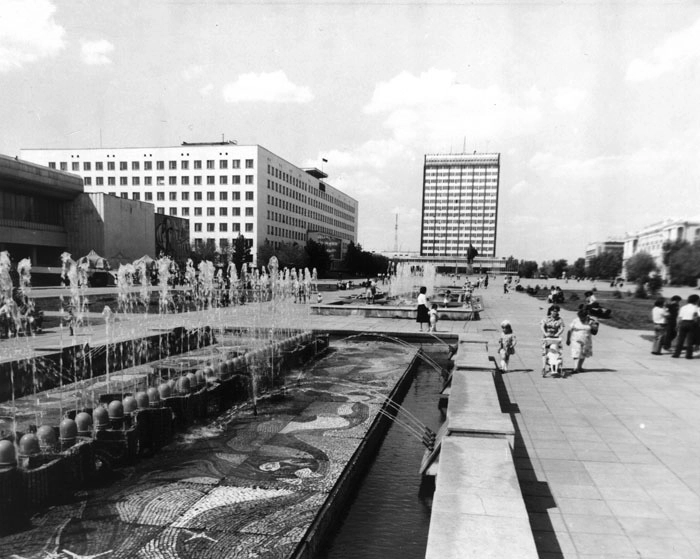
{"x": 422, "y": 316}
{"x": 580, "y": 337}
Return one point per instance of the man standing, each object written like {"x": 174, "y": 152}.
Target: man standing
{"x": 687, "y": 322}
{"x": 671, "y": 319}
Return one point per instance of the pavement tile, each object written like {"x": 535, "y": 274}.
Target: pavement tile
{"x": 592, "y": 524}
{"x": 561, "y": 490}
{"x": 641, "y": 526}
{"x": 568, "y": 505}
{"x": 645, "y": 509}
{"x": 669, "y": 548}
{"x": 604, "y": 545}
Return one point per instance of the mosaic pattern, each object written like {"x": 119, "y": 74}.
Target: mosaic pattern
{"x": 242, "y": 486}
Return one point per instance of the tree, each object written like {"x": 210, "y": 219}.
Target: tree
{"x": 512, "y": 264}
{"x": 205, "y": 251}
{"x": 684, "y": 265}
{"x": 605, "y": 265}
{"x": 318, "y": 257}
{"x": 669, "y": 248}
{"x": 527, "y": 268}
{"x": 640, "y": 266}
{"x": 240, "y": 252}
{"x": 577, "y": 269}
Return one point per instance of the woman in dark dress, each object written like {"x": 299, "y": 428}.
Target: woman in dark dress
{"x": 422, "y": 316}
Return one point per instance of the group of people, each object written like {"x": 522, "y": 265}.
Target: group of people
{"x": 675, "y": 322}
{"x": 579, "y": 337}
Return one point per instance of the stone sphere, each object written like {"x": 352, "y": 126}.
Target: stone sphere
{"x": 84, "y": 422}
{"x": 115, "y": 409}
{"x": 172, "y": 383}
{"x": 153, "y": 396}
{"x": 237, "y": 365}
{"x": 201, "y": 379}
{"x": 183, "y": 385}
{"x": 46, "y": 435}
{"x": 68, "y": 429}
{"x": 29, "y": 445}
{"x": 142, "y": 400}
{"x": 8, "y": 456}
{"x": 193, "y": 379}
{"x": 208, "y": 372}
{"x": 164, "y": 390}
{"x": 129, "y": 404}
{"x": 100, "y": 417}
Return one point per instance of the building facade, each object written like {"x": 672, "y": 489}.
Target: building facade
{"x": 598, "y": 248}
{"x": 651, "y": 239}
{"x": 460, "y": 204}
{"x": 222, "y": 188}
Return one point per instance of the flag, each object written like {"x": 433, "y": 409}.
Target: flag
{"x": 325, "y": 160}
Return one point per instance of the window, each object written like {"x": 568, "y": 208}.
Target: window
{"x": 248, "y": 163}
{"x": 236, "y": 164}
{"x": 249, "y": 196}
{"x": 64, "y": 166}
{"x": 111, "y": 181}
{"x": 197, "y": 195}
{"x": 210, "y": 227}
{"x": 184, "y": 165}
{"x": 148, "y": 196}
{"x": 210, "y": 163}
{"x": 185, "y": 196}
{"x": 197, "y": 164}
{"x": 99, "y": 181}
{"x": 160, "y": 165}
{"x": 185, "y": 180}
{"x": 52, "y": 164}
{"x": 223, "y": 212}
{"x": 172, "y": 196}
{"x": 123, "y": 166}
{"x": 235, "y": 195}
{"x": 110, "y": 165}
{"x": 210, "y": 195}
{"x": 223, "y": 196}
{"x": 198, "y": 180}
{"x": 198, "y": 211}
{"x": 249, "y": 179}
{"x": 123, "y": 194}
{"x": 248, "y": 227}
{"x": 148, "y": 181}
{"x": 172, "y": 181}
{"x": 75, "y": 166}
{"x": 185, "y": 212}
{"x": 197, "y": 227}
{"x": 173, "y": 211}
{"x": 235, "y": 227}
{"x": 86, "y": 166}
{"x": 160, "y": 181}
{"x": 135, "y": 166}
{"x": 236, "y": 179}
{"x": 211, "y": 179}
{"x": 147, "y": 165}
{"x": 223, "y": 164}
{"x": 123, "y": 181}
{"x": 160, "y": 196}
{"x": 223, "y": 227}
{"x": 249, "y": 212}
{"x": 223, "y": 179}
{"x": 98, "y": 166}
{"x": 172, "y": 165}
{"x": 136, "y": 196}
{"x": 235, "y": 211}
{"x": 87, "y": 181}
{"x": 210, "y": 211}
{"x": 135, "y": 181}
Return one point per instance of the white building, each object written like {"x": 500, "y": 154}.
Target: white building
{"x": 460, "y": 204}
{"x": 652, "y": 238}
{"x": 224, "y": 189}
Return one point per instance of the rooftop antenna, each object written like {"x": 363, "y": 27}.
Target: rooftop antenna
{"x": 396, "y": 234}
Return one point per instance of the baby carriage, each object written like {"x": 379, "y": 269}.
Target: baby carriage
{"x": 554, "y": 362}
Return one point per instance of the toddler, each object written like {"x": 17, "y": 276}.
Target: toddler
{"x": 506, "y": 344}
{"x": 433, "y": 317}
{"x": 554, "y": 359}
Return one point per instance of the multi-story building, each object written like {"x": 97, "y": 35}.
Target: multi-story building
{"x": 224, "y": 189}
{"x": 651, "y": 239}
{"x": 613, "y": 246}
{"x": 460, "y": 204}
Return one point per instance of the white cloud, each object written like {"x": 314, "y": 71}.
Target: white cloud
{"x": 436, "y": 109}
{"x": 273, "y": 87}
{"x": 673, "y": 54}
{"x": 377, "y": 154}
{"x": 206, "y": 90}
{"x": 192, "y": 72}
{"x": 28, "y": 33}
{"x": 96, "y": 53}
{"x": 568, "y": 99}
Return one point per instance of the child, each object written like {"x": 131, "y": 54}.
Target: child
{"x": 554, "y": 360}
{"x": 506, "y": 344}
{"x": 433, "y": 317}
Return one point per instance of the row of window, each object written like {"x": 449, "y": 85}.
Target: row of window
{"x": 148, "y": 165}
{"x": 185, "y": 196}
{"x": 223, "y": 227}
{"x": 172, "y": 181}
{"x": 279, "y": 174}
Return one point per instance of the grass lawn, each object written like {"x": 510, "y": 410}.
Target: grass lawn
{"x": 627, "y": 312}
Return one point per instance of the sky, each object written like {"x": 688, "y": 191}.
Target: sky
{"x": 593, "y": 106}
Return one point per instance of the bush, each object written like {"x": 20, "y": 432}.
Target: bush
{"x": 640, "y": 292}
{"x": 617, "y": 294}
{"x": 574, "y": 297}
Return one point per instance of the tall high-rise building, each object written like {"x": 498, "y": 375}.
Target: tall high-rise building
{"x": 460, "y": 204}
{"x": 222, "y": 188}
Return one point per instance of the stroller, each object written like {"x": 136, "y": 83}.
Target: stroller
{"x": 553, "y": 358}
